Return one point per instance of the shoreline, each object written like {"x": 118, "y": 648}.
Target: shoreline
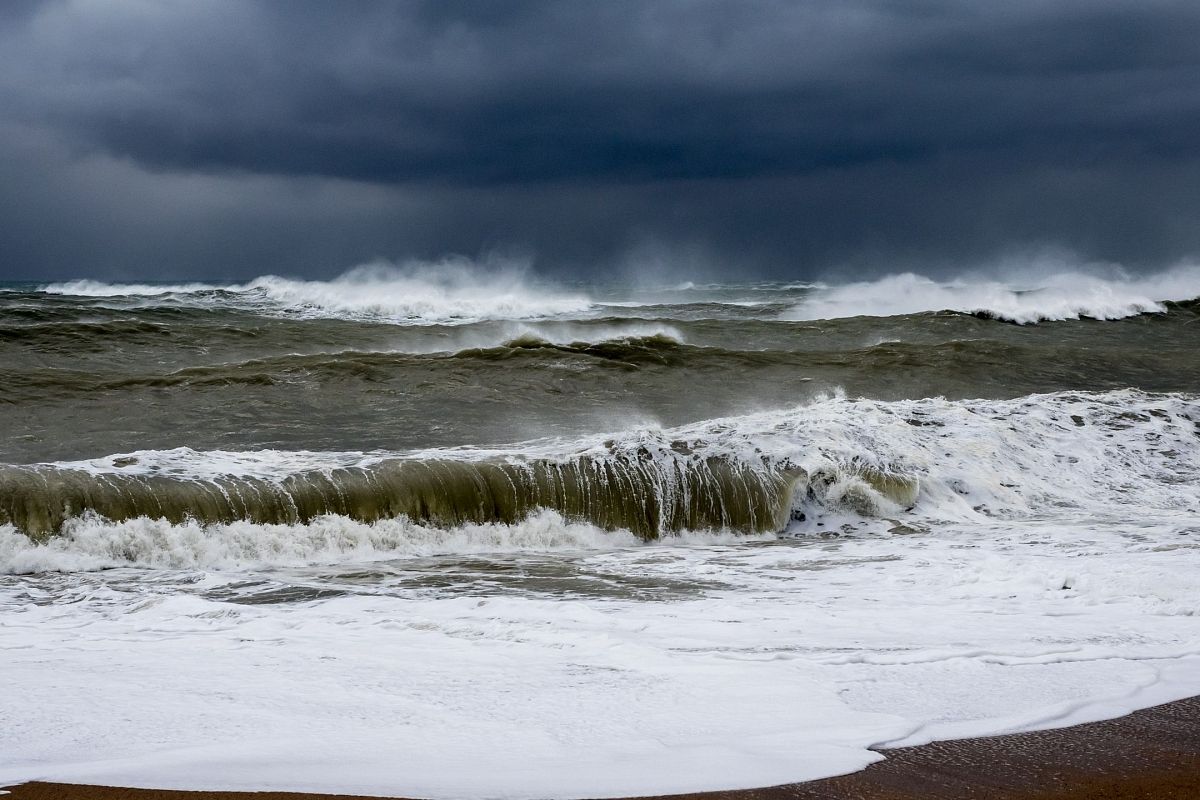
{"x": 1150, "y": 753}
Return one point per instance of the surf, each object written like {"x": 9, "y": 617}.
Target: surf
{"x": 912, "y": 464}
{"x": 451, "y": 290}
{"x": 1055, "y": 297}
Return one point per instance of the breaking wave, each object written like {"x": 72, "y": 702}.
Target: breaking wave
{"x": 1119, "y": 454}
{"x": 454, "y": 290}
{"x": 649, "y": 492}
{"x": 91, "y": 542}
{"x": 1062, "y": 296}
{"x": 457, "y": 291}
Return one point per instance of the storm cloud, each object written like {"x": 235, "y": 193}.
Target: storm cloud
{"x": 226, "y": 139}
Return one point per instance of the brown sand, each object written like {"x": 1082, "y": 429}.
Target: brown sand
{"x": 1149, "y": 755}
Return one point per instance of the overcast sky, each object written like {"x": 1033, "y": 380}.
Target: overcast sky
{"x": 215, "y": 139}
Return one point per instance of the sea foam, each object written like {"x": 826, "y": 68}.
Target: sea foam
{"x": 453, "y": 290}
{"x": 784, "y": 661}
{"x": 1042, "y": 576}
{"x": 457, "y": 291}
{"x": 1057, "y": 296}
{"x": 1107, "y": 456}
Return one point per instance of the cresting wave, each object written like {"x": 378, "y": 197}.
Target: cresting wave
{"x": 1126, "y": 455}
{"x": 1058, "y": 296}
{"x": 649, "y": 493}
{"x": 453, "y": 290}
{"x": 456, "y": 291}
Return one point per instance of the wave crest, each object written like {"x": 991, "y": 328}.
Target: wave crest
{"x": 1116, "y": 455}
{"x": 1062, "y": 296}
{"x": 451, "y": 291}
{"x": 648, "y": 492}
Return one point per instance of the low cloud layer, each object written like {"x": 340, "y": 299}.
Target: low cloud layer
{"x": 225, "y": 139}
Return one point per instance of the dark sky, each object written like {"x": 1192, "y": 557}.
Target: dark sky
{"x": 224, "y": 139}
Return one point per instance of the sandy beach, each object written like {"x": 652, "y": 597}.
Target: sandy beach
{"x": 1149, "y": 754}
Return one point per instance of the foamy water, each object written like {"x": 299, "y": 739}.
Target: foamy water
{"x": 453, "y": 291}
{"x": 450, "y": 530}
{"x": 461, "y": 291}
{"x": 771, "y": 662}
{"x": 1042, "y": 577}
{"x": 1057, "y": 296}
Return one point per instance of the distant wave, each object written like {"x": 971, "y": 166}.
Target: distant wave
{"x": 86, "y": 287}
{"x": 1061, "y": 296}
{"x": 455, "y": 292}
{"x": 450, "y": 291}
{"x": 642, "y": 344}
{"x": 661, "y": 348}
{"x": 904, "y": 462}
{"x": 569, "y": 336}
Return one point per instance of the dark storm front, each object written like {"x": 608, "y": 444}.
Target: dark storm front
{"x": 89, "y": 376}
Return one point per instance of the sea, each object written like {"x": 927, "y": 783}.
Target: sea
{"x": 452, "y": 530}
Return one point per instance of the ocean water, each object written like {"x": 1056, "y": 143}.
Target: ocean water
{"x": 448, "y": 532}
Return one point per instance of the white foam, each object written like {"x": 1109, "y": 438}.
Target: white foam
{"x": 88, "y": 543}
{"x": 92, "y": 288}
{"x": 1067, "y": 455}
{"x": 1056, "y": 296}
{"x": 1053, "y": 583}
{"x": 800, "y": 656}
{"x": 206, "y": 465}
{"x": 457, "y": 290}
{"x": 450, "y": 291}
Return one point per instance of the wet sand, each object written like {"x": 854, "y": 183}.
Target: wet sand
{"x": 1147, "y": 755}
